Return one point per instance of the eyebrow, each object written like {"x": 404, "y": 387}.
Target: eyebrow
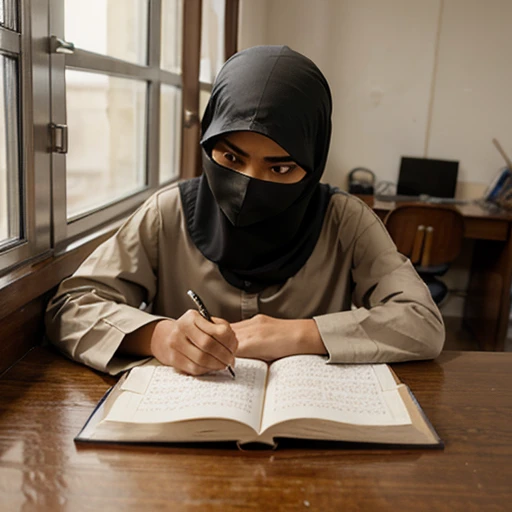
{"x": 271, "y": 159}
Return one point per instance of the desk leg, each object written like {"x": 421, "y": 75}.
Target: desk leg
{"x": 487, "y": 307}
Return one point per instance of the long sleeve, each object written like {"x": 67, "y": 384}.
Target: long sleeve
{"x": 395, "y": 317}
{"x": 152, "y": 261}
{"x": 95, "y": 308}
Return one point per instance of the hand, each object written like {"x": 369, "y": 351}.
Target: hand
{"x": 267, "y": 338}
{"x": 193, "y": 345}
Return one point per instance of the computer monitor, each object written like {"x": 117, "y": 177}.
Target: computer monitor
{"x": 435, "y": 178}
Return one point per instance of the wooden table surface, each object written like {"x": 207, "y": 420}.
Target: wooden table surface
{"x": 45, "y": 400}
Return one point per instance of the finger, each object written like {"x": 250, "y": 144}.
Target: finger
{"x": 226, "y": 335}
{"x": 220, "y": 330}
{"x": 215, "y": 338}
{"x": 207, "y": 345}
{"x": 196, "y": 356}
{"x": 183, "y": 364}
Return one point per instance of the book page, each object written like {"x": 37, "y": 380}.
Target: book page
{"x": 307, "y": 387}
{"x": 154, "y": 393}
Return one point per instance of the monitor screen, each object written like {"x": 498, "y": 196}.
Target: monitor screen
{"x": 436, "y": 178}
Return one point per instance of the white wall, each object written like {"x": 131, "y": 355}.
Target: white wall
{"x": 472, "y": 100}
{"x": 425, "y": 78}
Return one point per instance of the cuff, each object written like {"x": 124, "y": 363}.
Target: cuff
{"x": 344, "y": 338}
{"x": 108, "y": 336}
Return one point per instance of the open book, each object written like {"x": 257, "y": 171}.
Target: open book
{"x": 296, "y": 397}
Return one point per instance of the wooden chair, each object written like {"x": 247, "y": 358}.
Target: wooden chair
{"x": 431, "y": 236}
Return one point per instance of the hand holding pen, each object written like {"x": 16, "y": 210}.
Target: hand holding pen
{"x": 205, "y": 314}
{"x": 192, "y": 344}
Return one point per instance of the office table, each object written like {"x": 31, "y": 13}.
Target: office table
{"x": 487, "y": 305}
{"x": 45, "y": 399}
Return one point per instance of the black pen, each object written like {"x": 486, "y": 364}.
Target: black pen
{"x": 205, "y": 314}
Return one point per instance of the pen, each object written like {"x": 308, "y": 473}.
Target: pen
{"x": 205, "y": 314}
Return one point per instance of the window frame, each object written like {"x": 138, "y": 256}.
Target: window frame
{"x": 32, "y": 105}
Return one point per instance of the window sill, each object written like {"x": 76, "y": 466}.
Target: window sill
{"x": 37, "y": 277}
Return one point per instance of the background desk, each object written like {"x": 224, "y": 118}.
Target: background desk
{"x": 487, "y": 305}
{"x": 45, "y": 399}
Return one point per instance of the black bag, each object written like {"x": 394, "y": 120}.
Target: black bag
{"x": 361, "y": 181}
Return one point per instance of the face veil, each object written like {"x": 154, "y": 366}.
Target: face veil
{"x": 258, "y": 232}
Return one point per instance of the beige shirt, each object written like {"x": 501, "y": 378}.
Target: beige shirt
{"x": 367, "y": 300}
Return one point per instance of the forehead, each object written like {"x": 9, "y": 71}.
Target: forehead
{"x": 255, "y": 143}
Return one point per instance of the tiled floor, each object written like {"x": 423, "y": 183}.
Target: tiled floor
{"x": 459, "y": 338}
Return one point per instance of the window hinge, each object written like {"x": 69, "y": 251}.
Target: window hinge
{"x": 59, "y": 138}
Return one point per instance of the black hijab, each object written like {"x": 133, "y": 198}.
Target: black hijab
{"x": 258, "y": 232}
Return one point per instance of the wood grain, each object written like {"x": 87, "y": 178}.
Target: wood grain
{"x": 31, "y": 281}
{"x": 45, "y": 399}
{"x": 21, "y": 330}
{"x": 24, "y": 294}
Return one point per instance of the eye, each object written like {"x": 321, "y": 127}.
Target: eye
{"x": 282, "y": 169}
{"x": 229, "y": 157}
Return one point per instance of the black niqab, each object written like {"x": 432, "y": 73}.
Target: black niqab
{"x": 258, "y": 232}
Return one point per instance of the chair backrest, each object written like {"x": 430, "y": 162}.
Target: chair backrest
{"x": 427, "y": 234}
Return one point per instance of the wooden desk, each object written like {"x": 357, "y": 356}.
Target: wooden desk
{"x": 487, "y": 306}
{"x": 45, "y": 399}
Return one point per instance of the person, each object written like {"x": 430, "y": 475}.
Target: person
{"x": 285, "y": 264}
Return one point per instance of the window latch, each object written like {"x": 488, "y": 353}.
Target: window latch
{"x": 58, "y": 45}
{"x": 190, "y": 118}
{"x": 59, "y": 138}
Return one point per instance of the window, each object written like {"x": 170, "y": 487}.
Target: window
{"x": 115, "y": 28}
{"x": 24, "y": 222}
{"x": 10, "y": 227}
{"x": 172, "y": 35}
{"x": 170, "y": 95}
{"x": 10, "y": 219}
{"x": 105, "y": 114}
{"x": 108, "y": 61}
{"x": 212, "y": 39}
{"x": 94, "y": 121}
{"x": 106, "y": 120}
{"x": 170, "y": 135}
{"x": 218, "y": 42}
